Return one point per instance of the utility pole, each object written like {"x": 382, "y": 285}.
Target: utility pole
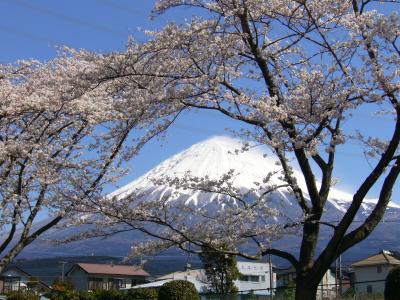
{"x": 336, "y": 278}
{"x": 270, "y": 274}
{"x": 62, "y": 270}
{"x": 340, "y": 275}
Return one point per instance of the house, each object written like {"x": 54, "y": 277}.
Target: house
{"x": 370, "y": 273}
{"x": 327, "y": 287}
{"x": 16, "y": 279}
{"x": 89, "y": 277}
{"x": 254, "y": 279}
{"x": 197, "y": 277}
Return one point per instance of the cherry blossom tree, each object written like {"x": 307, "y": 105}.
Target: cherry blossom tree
{"x": 65, "y": 132}
{"x": 296, "y": 71}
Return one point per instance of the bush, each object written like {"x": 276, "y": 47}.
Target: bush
{"x": 392, "y": 284}
{"x": 62, "y": 285}
{"x": 178, "y": 290}
{"x": 86, "y": 296}
{"x": 134, "y": 294}
{"x": 22, "y": 296}
{"x": 63, "y": 295}
{"x": 62, "y": 290}
{"x": 108, "y": 295}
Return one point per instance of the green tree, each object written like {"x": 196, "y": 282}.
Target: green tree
{"x": 178, "y": 290}
{"x": 108, "y": 295}
{"x": 289, "y": 291}
{"x": 133, "y": 294}
{"x": 22, "y": 296}
{"x": 221, "y": 269}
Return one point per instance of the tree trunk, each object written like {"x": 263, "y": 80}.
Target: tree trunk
{"x": 10, "y": 255}
{"x": 306, "y": 291}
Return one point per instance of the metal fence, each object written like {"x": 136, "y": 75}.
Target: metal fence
{"x": 356, "y": 291}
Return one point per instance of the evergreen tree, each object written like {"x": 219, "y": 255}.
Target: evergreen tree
{"x": 221, "y": 269}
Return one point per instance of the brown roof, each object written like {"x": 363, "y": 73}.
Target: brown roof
{"x": 112, "y": 269}
{"x": 382, "y": 258}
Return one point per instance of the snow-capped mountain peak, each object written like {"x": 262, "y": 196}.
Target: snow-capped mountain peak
{"x": 215, "y": 157}
{"x": 218, "y": 155}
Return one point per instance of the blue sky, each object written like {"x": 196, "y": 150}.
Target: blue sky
{"x": 33, "y": 29}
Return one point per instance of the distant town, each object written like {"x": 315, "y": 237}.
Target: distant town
{"x": 261, "y": 280}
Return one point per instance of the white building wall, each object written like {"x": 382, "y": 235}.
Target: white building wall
{"x": 327, "y": 286}
{"x": 258, "y": 278}
{"x": 197, "y": 277}
{"x": 371, "y": 279}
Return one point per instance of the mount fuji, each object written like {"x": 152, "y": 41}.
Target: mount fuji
{"x": 215, "y": 157}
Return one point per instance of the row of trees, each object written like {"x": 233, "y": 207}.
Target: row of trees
{"x": 294, "y": 71}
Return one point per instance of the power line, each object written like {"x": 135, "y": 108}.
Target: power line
{"x": 70, "y": 19}
{"x": 30, "y": 36}
{"x": 120, "y": 7}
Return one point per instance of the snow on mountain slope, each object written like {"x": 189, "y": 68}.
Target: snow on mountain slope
{"x": 215, "y": 157}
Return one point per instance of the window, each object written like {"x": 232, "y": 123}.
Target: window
{"x": 12, "y": 284}
{"x": 369, "y": 289}
{"x": 95, "y": 284}
{"x": 379, "y": 269}
{"x": 116, "y": 283}
{"x": 262, "y": 278}
{"x": 137, "y": 281}
{"x": 251, "y": 278}
{"x": 243, "y": 277}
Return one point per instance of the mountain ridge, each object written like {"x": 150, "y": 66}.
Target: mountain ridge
{"x": 215, "y": 157}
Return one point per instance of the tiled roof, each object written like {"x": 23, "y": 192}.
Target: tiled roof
{"x": 382, "y": 258}
{"x": 112, "y": 269}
